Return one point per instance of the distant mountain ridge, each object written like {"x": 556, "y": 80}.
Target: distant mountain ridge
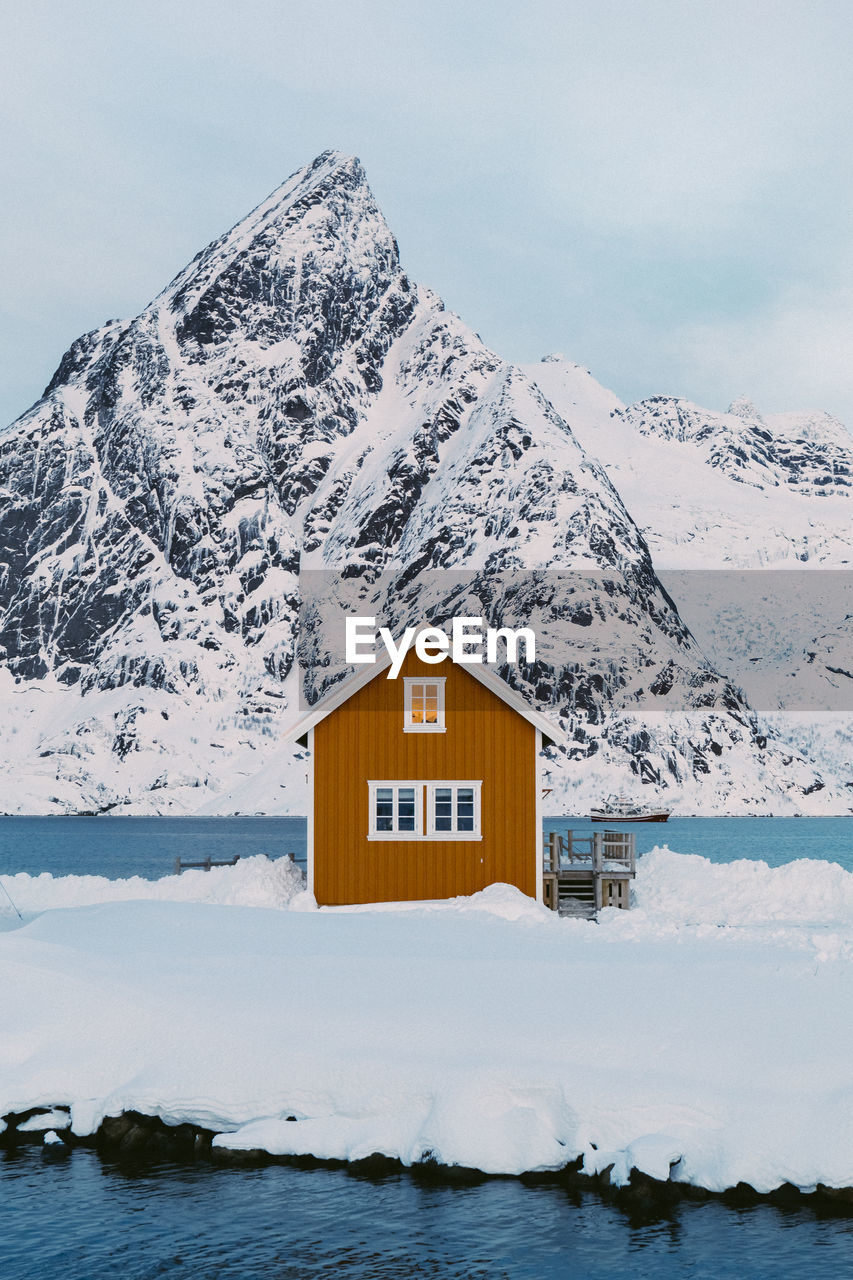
{"x": 748, "y": 518}
{"x": 716, "y": 490}
{"x": 293, "y": 404}
{"x": 811, "y": 458}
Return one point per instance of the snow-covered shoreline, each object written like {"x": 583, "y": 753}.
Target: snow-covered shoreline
{"x": 702, "y": 1038}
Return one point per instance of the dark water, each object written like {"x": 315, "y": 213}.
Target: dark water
{"x": 148, "y": 847}
{"x": 76, "y": 1218}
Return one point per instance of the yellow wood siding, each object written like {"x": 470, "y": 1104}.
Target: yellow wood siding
{"x": 363, "y": 741}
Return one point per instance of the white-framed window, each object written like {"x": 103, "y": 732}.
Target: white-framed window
{"x": 423, "y": 702}
{"x": 396, "y": 810}
{"x": 453, "y": 810}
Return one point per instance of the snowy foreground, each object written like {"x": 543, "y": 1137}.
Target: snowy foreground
{"x": 706, "y": 1035}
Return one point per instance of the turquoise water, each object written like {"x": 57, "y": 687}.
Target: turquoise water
{"x": 772, "y": 840}
{"x": 148, "y": 847}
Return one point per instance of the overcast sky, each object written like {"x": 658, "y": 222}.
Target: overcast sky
{"x": 661, "y": 190}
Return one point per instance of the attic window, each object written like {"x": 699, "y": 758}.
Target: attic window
{"x": 424, "y": 705}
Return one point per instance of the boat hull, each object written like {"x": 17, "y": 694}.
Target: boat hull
{"x": 598, "y": 816}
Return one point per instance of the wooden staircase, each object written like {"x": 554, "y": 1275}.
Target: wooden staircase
{"x": 582, "y": 875}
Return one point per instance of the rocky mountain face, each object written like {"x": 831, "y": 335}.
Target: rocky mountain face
{"x": 748, "y": 518}
{"x": 290, "y": 428}
{"x": 735, "y": 490}
{"x": 810, "y": 456}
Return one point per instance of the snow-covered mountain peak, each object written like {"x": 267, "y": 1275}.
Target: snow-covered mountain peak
{"x": 332, "y": 184}
{"x": 310, "y": 208}
{"x": 292, "y": 401}
{"x": 717, "y": 490}
{"x": 743, "y": 407}
{"x": 312, "y": 264}
{"x": 582, "y": 401}
{"x": 750, "y": 449}
{"x": 812, "y": 425}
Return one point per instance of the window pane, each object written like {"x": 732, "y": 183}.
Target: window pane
{"x": 384, "y": 809}
{"x": 406, "y": 809}
{"x": 443, "y": 809}
{"x": 464, "y": 809}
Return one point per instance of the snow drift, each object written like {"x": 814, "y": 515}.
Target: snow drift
{"x": 484, "y": 1032}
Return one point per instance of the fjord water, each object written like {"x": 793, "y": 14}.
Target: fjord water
{"x": 122, "y": 847}
{"x": 147, "y": 847}
{"x": 771, "y": 840}
{"x": 77, "y": 1217}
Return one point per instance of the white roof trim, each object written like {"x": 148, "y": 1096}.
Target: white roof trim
{"x": 345, "y": 690}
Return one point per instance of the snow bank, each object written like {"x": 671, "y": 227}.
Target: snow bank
{"x": 485, "y": 1032}
{"x": 253, "y": 882}
{"x": 688, "y": 889}
{"x": 502, "y": 900}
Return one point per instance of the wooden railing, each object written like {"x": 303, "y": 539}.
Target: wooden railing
{"x": 566, "y": 852}
{"x": 205, "y": 864}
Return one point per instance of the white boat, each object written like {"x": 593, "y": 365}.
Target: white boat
{"x": 624, "y": 811}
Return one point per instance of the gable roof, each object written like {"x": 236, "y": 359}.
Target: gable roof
{"x": 342, "y": 692}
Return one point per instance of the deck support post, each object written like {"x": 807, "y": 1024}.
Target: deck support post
{"x": 597, "y": 868}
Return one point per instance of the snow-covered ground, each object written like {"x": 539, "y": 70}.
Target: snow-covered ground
{"x": 707, "y": 1032}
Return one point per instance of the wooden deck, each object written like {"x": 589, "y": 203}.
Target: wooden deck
{"x": 583, "y": 874}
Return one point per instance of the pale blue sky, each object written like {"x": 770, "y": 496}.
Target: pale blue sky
{"x": 660, "y": 190}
